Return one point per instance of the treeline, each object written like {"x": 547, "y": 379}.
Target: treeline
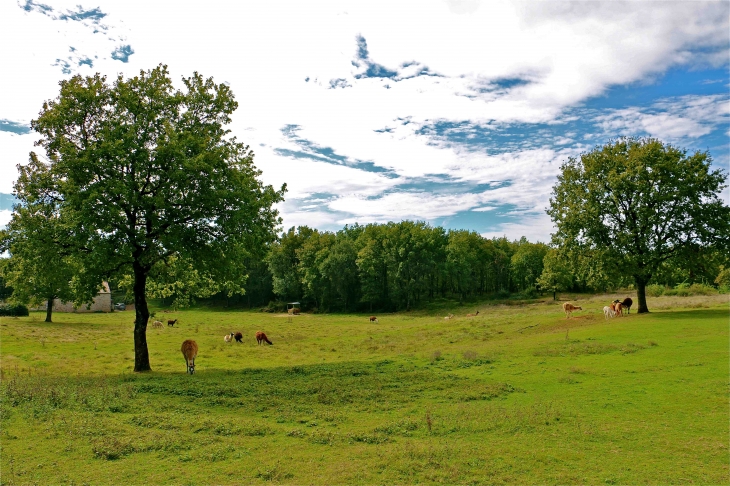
{"x": 399, "y": 266}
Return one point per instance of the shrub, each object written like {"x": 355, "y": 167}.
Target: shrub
{"x": 14, "y": 310}
{"x": 701, "y": 289}
{"x": 684, "y": 290}
{"x": 654, "y": 290}
{"x": 530, "y": 293}
{"x": 723, "y": 278}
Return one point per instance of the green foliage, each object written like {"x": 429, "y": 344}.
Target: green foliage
{"x": 682, "y": 290}
{"x": 723, "y": 278}
{"x": 557, "y": 272}
{"x": 397, "y": 266}
{"x": 639, "y": 203}
{"x": 655, "y": 290}
{"x": 151, "y": 175}
{"x": 283, "y": 263}
{"x": 527, "y": 264}
{"x": 15, "y": 310}
{"x": 685, "y": 290}
{"x": 43, "y": 263}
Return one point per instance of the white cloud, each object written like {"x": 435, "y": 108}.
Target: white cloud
{"x": 566, "y": 52}
{"x": 405, "y": 205}
{"x": 5, "y": 217}
{"x": 533, "y": 226}
{"x": 670, "y": 119}
{"x": 14, "y": 150}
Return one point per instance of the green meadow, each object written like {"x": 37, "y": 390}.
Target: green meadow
{"x": 517, "y": 394}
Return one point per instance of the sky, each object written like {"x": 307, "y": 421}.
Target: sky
{"x": 458, "y": 112}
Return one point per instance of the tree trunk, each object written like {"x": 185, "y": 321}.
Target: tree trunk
{"x": 641, "y": 294}
{"x": 49, "y": 307}
{"x": 142, "y": 314}
{"x": 554, "y": 297}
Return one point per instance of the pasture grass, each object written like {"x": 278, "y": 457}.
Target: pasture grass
{"x": 518, "y": 394}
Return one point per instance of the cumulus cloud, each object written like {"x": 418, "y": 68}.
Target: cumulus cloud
{"x": 384, "y": 96}
{"x": 533, "y": 226}
{"x": 5, "y": 217}
{"x": 671, "y": 118}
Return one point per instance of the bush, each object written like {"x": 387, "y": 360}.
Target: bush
{"x": 681, "y": 290}
{"x": 15, "y": 310}
{"x": 530, "y": 293}
{"x": 654, "y": 290}
{"x": 723, "y": 278}
{"x": 701, "y": 289}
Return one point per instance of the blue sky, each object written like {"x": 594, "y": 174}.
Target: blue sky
{"x": 458, "y": 113}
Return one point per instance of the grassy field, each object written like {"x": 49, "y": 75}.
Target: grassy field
{"x": 518, "y": 394}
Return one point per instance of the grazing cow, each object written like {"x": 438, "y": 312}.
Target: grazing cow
{"x": 569, "y": 308}
{"x": 171, "y": 323}
{"x": 190, "y": 351}
{"x": 261, "y": 338}
{"x": 239, "y": 337}
{"x": 626, "y": 304}
{"x": 473, "y": 315}
{"x": 373, "y": 319}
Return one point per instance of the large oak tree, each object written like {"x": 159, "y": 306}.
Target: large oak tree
{"x": 640, "y": 202}
{"x": 149, "y": 173}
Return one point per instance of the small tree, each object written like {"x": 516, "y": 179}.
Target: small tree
{"x": 556, "y": 274}
{"x": 43, "y": 263}
{"x": 148, "y": 172}
{"x": 640, "y": 202}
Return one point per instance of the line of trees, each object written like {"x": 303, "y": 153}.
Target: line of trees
{"x": 397, "y": 266}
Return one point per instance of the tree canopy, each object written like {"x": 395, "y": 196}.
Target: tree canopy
{"x": 44, "y": 265}
{"x": 150, "y": 175}
{"x": 639, "y": 203}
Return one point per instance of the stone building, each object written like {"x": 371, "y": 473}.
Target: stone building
{"x": 102, "y": 303}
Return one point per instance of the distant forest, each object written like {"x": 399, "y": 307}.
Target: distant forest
{"x": 399, "y": 266}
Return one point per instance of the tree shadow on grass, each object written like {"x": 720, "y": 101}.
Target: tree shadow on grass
{"x": 695, "y": 315}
